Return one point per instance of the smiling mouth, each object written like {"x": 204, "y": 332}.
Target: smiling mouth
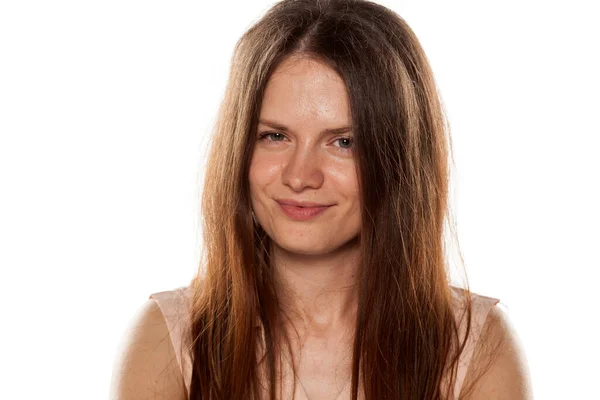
{"x": 304, "y": 204}
{"x": 302, "y": 213}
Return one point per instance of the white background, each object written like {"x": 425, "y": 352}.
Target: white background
{"x": 105, "y": 108}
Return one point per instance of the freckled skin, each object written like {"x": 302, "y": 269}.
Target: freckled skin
{"x": 303, "y": 164}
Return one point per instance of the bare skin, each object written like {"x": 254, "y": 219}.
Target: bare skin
{"x": 322, "y": 311}
{"x": 315, "y": 260}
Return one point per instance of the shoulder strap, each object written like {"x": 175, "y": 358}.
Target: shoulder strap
{"x": 481, "y": 306}
{"x": 174, "y": 305}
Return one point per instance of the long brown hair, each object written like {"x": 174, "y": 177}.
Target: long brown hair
{"x": 407, "y": 343}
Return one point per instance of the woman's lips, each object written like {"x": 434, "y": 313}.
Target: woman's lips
{"x": 301, "y": 213}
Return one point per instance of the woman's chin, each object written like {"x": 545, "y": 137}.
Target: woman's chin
{"x": 302, "y": 248}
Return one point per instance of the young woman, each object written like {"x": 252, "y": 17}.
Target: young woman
{"x": 323, "y": 273}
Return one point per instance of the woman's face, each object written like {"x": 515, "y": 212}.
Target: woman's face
{"x": 298, "y": 157}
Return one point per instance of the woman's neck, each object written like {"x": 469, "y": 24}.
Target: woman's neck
{"x": 318, "y": 293}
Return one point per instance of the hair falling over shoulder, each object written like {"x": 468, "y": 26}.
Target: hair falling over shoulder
{"x": 407, "y": 343}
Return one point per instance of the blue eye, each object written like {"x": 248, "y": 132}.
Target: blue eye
{"x": 349, "y": 143}
{"x": 276, "y": 135}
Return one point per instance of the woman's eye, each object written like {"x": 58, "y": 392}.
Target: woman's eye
{"x": 273, "y": 136}
{"x": 345, "y": 143}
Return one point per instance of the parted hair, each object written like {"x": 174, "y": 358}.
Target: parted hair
{"x": 406, "y": 340}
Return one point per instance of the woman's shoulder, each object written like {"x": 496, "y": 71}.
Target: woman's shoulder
{"x": 145, "y": 362}
{"x": 492, "y": 361}
{"x": 175, "y": 307}
{"x": 480, "y": 306}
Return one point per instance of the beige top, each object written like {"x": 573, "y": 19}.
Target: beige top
{"x": 175, "y": 304}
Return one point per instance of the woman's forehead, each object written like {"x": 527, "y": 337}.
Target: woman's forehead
{"x": 306, "y": 91}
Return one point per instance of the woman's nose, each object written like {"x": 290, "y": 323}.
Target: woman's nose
{"x": 303, "y": 170}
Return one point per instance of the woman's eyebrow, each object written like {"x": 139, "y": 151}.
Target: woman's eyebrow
{"x": 283, "y": 128}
